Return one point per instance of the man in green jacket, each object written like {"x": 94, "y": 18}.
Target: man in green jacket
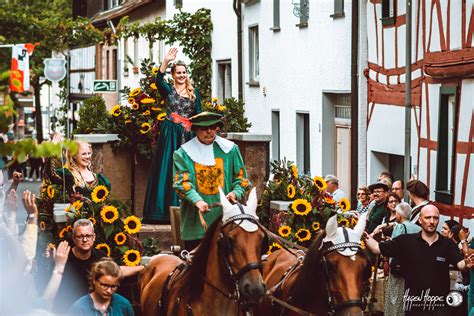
{"x": 378, "y": 212}
{"x": 200, "y": 167}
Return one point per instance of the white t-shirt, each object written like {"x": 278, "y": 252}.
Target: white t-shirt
{"x": 338, "y": 194}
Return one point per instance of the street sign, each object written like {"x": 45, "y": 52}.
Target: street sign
{"x": 54, "y": 69}
{"x": 105, "y": 85}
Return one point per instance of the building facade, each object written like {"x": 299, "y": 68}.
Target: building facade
{"x": 442, "y": 90}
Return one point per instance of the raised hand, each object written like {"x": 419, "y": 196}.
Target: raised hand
{"x": 171, "y": 55}
{"x": 61, "y": 255}
{"x": 29, "y": 201}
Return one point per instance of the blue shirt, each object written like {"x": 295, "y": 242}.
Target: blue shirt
{"x": 119, "y": 306}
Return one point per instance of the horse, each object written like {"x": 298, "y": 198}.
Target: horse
{"x": 328, "y": 280}
{"x": 223, "y": 276}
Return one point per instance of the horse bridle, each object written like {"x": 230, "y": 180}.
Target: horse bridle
{"x": 223, "y": 245}
{"x": 333, "y": 308}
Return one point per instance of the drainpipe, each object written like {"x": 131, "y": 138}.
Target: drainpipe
{"x": 407, "y": 160}
{"x": 354, "y": 100}
{"x": 238, "y": 12}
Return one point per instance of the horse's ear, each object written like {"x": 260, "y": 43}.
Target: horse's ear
{"x": 252, "y": 201}
{"x": 331, "y": 227}
{"x": 360, "y": 226}
{"x": 224, "y": 201}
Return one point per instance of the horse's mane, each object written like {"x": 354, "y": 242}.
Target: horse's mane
{"x": 309, "y": 283}
{"x": 194, "y": 279}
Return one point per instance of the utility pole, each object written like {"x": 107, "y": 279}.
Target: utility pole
{"x": 408, "y": 106}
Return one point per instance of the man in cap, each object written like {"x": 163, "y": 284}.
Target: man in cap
{"x": 333, "y": 187}
{"x": 419, "y": 194}
{"x": 378, "y": 212}
{"x": 200, "y": 167}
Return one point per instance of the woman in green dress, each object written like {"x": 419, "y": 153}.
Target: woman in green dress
{"x": 181, "y": 101}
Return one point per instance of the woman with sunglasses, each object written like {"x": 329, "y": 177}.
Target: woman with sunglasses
{"x": 102, "y": 299}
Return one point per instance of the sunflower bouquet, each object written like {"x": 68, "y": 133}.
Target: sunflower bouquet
{"x": 309, "y": 209}
{"x": 142, "y": 115}
{"x": 115, "y": 236}
{"x": 233, "y": 112}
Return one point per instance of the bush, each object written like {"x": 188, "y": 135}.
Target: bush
{"x": 93, "y": 117}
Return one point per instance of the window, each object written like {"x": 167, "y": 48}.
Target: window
{"x": 178, "y": 4}
{"x": 275, "y": 135}
{"x": 110, "y": 4}
{"x": 114, "y": 64}
{"x": 254, "y": 71}
{"x": 302, "y": 142}
{"x": 126, "y": 57}
{"x": 446, "y": 145}
{"x": 388, "y": 12}
{"x": 224, "y": 84}
{"x": 304, "y": 13}
{"x": 276, "y": 16}
{"x": 135, "y": 52}
{"x": 338, "y": 9}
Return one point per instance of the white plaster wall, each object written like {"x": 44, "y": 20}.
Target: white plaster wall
{"x": 456, "y": 25}
{"x": 296, "y": 65}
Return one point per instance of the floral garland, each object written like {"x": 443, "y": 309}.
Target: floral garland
{"x": 142, "y": 115}
{"x": 310, "y": 206}
{"x": 114, "y": 236}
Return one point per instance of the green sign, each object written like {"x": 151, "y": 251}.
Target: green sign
{"x": 105, "y": 85}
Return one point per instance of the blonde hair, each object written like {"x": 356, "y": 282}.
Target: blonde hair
{"x": 189, "y": 87}
{"x": 71, "y": 164}
{"x": 106, "y": 266}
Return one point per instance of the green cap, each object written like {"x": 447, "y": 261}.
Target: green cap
{"x": 206, "y": 119}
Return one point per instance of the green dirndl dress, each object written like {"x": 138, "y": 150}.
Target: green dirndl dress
{"x": 160, "y": 194}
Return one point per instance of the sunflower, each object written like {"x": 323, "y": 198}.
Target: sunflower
{"x": 132, "y": 224}
{"x": 329, "y": 200}
{"x": 105, "y": 247}
{"x": 273, "y": 247}
{"x": 120, "y": 238}
{"x": 161, "y": 117}
{"x": 220, "y": 108}
{"x": 303, "y": 234}
{"x": 92, "y": 219}
{"x": 156, "y": 108}
{"x": 50, "y": 247}
{"x": 128, "y": 121}
{"x": 131, "y": 100}
{"x": 131, "y": 258}
{"x": 153, "y": 86}
{"x": 353, "y": 221}
{"x": 162, "y": 102}
{"x": 62, "y": 232}
{"x": 116, "y": 111}
{"x": 42, "y": 226}
{"x": 343, "y": 222}
{"x": 316, "y": 226}
{"x": 320, "y": 183}
{"x": 99, "y": 194}
{"x": 50, "y": 191}
{"x": 147, "y": 112}
{"x": 301, "y": 207}
{"x": 154, "y": 70}
{"x": 135, "y": 106}
{"x": 109, "y": 214}
{"x": 290, "y": 191}
{"x": 147, "y": 100}
{"x": 77, "y": 205}
{"x": 362, "y": 244}
{"x": 344, "y": 204}
{"x": 215, "y": 100}
{"x": 145, "y": 128}
{"x": 135, "y": 92}
{"x": 294, "y": 170}
{"x": 284, "y": 231}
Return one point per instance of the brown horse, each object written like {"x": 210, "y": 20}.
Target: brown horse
{"x": 223, "y": 276}
{"x": 329, "y": 280}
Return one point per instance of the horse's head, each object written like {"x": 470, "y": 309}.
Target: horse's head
{"x": 240, "y": 246}
{"x": 346, "y": 266}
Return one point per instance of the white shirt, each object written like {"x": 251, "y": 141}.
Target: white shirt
{"x": 338, "y": 195}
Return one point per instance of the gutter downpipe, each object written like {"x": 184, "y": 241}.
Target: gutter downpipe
{"x": 238, "y": 12}
{"x": 354, "y": 100}
{"x": 408, "y": 106}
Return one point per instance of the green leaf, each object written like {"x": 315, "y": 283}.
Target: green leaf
{"x": 108, "y": 230}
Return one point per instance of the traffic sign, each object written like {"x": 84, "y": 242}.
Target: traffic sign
{"x": 105, "y": 85}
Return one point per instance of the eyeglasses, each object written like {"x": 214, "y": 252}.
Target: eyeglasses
{"x": 105, "y": 286}
{"x": 361, "y": 194}
{"x": 84, "y": 237}
{"x": 378, "y": 191}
